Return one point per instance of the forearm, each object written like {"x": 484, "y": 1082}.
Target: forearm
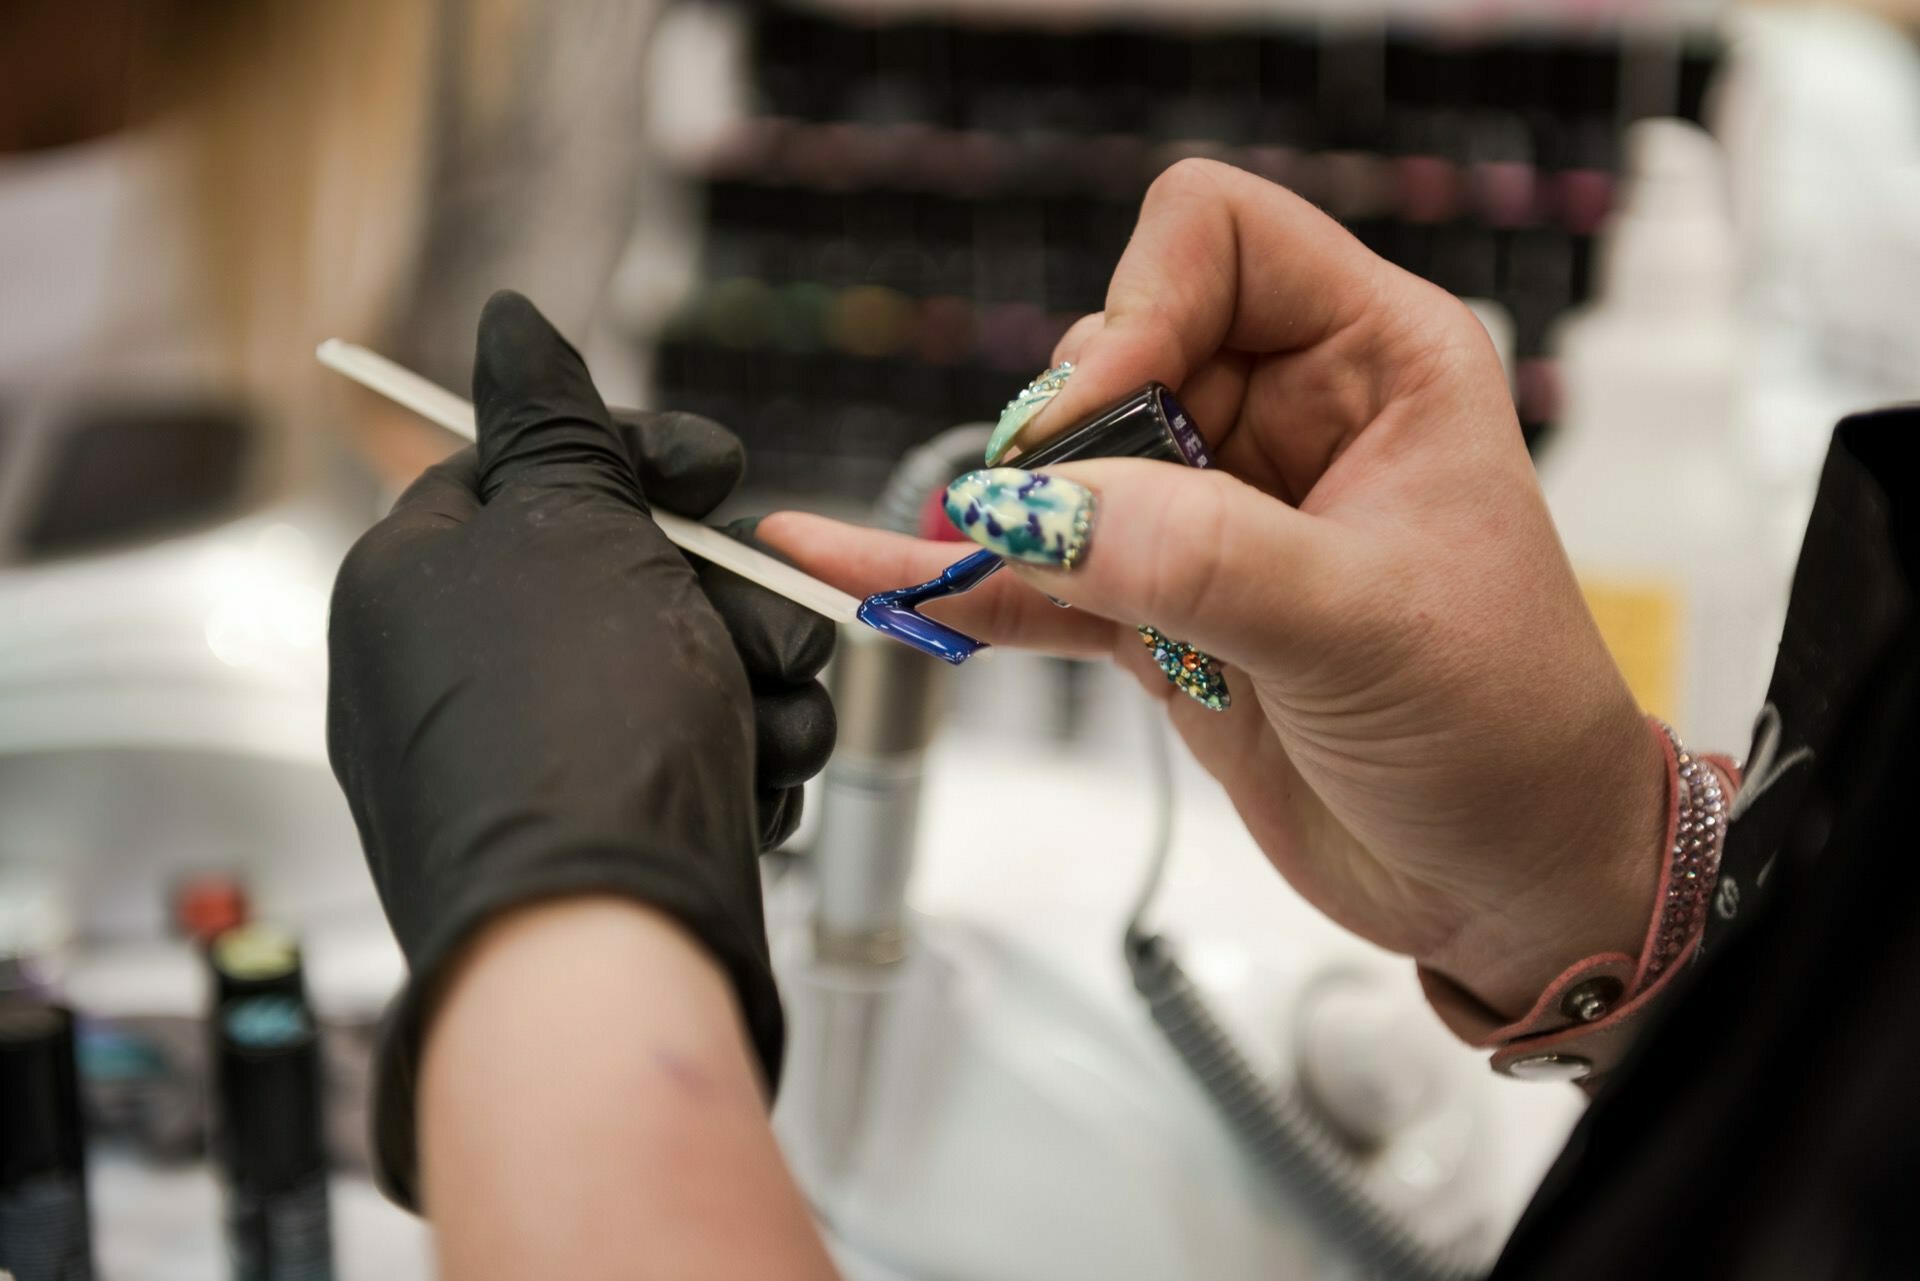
{"x": 589, "y": 1109}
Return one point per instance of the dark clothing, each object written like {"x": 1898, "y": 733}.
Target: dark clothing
{"x": 1768, "y": 1126}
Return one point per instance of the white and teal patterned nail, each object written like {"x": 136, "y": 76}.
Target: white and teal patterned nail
{"x": 1026, "y": 516}
{"x": 1022, "y": 408}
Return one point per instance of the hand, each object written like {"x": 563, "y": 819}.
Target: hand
{"x": 533, "y": 697}
{"x": 1428, "y": 737}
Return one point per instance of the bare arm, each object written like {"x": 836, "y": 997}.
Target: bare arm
{"x": 589, "y": 1109}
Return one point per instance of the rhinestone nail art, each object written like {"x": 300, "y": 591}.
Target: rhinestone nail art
{"x": 1022, "y": 408}
{"x": 1026, "y": 516}
{"x": 1194, "y": 672}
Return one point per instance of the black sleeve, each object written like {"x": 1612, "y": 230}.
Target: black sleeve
{"x": 1769, "y": 1124}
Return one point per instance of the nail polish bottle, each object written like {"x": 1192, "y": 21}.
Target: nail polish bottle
{"x": 1114, "y": 96}
{"x": 1075, "y": 273}
{"x": 1356, "y": 179}
{"x": 1284, "y": 129}
{"x": 836, "y": 261}
{"x": 1351, "y": 85}
{"x": 272, "y": 1156}
{"x": 943, "y": 330}
{"x": 872, "y": 321}
{"x": 1426, "y": 83}
{"x": 1226, "y": 73}
{"x": 1465, "y": 260}
{"x": 45, "y": 1233}
{"x": 1149, "y": 423}
{"x": 1539, "y": 276}
{"x": 945, "y": 317}
{"x": 1011, "y": 334}
{"x": 908, "y": 77}
{"x": 1503, "y": 175}
{"x": 786, "y": 42}
{"x": 800, "y": 317}
{"x": 1585, "y": 181}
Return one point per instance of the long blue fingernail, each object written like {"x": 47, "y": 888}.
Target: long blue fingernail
{"x": 1194, "y": 672}
{"x": 1026, "y": 516}
{"x": 1022, "y": 408}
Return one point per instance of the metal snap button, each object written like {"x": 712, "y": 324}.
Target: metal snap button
{"x": 1590, "y": 1001}
{"x": 1550, "y": 1067}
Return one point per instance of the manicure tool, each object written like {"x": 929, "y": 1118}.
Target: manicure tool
{"x": 889, "y": 613}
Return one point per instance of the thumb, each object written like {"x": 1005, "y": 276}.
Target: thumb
{"x": 1196, "y": 554}
{"x": 540, "y": 421}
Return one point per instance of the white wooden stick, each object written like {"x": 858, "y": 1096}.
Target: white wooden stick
{"x": 436, "y": 404}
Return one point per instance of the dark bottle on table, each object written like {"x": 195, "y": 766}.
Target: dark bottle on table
{"x": 44, "y": 1232}
{"x": 270, "y": 1142}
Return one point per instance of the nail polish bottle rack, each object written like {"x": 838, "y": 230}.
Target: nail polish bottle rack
{"x": 919, "y": 207}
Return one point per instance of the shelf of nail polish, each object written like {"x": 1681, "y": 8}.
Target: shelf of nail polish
{"x": 1665, "y": 15}
{"x": 1352, "y": 84}
{"x": 920, "y": 208}
{"x": 828, "y": 423}
{"x": 1101, "y": 175}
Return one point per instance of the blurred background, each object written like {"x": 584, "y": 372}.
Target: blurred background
{"x": 843, "y": 229}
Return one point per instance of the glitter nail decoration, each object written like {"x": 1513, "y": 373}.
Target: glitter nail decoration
{"x": 1022, "y": 408}
{"x": 1195, "y": 672}
{"x": 1026, "y": 516}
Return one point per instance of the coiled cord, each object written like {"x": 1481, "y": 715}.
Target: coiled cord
{"x": 1278, "y": 1128}
{"x": 925, "y": 469}
{"x": 1281, "y": 1131}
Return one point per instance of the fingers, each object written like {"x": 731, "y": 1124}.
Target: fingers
{"x": 446, "y": 493}
{"x": 1074, "y": 341}
{"x": 794, "y": 733}
{"x": 686, "y": 464}
{"x": 541, "y": 423}
{"x": 783, "y": 646}
{"x": 1220, "y": 259}
{"x": 780, "y": 642}
{"x": 779, "y": 811}
{"x": 1200, "y": 555}
{"x": 863, "y": 561}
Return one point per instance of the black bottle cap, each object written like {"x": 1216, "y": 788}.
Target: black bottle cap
{"x": 269, "y": 1088}
{"x": 40, "y": 1131}
{"x": 1147, "y": 424}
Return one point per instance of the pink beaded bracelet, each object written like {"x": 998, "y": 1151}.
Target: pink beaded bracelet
{"x": 1581, "y": 1026}
{"x": 1698, "y": 831}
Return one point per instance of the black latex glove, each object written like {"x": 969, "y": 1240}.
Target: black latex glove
{"x": 534, "y": 694}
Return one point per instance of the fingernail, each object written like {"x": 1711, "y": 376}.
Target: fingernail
{"x": 1196, "y": 672}
{"x": 1026, "y": 516}
{"x": 1021, "y": 409}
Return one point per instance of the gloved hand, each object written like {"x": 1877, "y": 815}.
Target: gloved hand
{"x": 535, "y": 695}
